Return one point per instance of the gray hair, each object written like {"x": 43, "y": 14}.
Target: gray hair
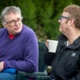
{"x": 8, "y": 10}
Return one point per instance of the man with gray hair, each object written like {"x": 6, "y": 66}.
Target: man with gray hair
{"x": 18, "y": 45}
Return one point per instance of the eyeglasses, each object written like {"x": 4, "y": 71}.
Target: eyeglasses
{"x": 63, "y": 17}
{"x": 13, "y": 22}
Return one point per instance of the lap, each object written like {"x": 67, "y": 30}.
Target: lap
{"x": 7, "y": 76}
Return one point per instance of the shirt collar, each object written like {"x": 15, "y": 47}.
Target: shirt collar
{"x": 74, "y": 45}
{"x": 11, "y": 36}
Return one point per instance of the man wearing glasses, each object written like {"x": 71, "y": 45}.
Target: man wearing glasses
{"x": 18, "y": 45}
{"x": 65, "y": 61}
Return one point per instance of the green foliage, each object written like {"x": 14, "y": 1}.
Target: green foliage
{"x": 76, "y": 2}
{"x": 42, "y": 16}
{"x": 28, "y": 12}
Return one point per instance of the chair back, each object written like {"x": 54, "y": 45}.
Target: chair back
{"x": 42, "y": 74}
{"x": 42, "y": 48}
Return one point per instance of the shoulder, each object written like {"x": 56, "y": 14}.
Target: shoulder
{"x": 27, "y": 30}
{"x": 2, "y": 31}
{"x": 28, "y": 34}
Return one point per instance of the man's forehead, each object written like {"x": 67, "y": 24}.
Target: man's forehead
{"x": 12, "y": 16}
{"x": 65, "y": 13}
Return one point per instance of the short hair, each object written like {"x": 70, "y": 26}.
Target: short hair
{"x": 8, "y": 10}
{"x": 74, "y": 11}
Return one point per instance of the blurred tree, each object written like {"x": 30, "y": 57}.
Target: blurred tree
{"x": 42, "y": 16}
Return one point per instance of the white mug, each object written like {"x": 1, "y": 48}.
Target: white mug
{"x": 52, "y": 45}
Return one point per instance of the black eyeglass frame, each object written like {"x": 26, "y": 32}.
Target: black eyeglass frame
{"x": 63, "y": 17}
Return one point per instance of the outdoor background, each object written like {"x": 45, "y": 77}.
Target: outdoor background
{"x": 41, "y": 15}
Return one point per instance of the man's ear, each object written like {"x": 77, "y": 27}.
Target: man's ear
{"x": 71, "y": 22}
{"x": 4, "y": 25}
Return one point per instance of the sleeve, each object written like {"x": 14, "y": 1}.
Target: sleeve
{"x": 48, "y": 57}
{"x": 30, "y": 60}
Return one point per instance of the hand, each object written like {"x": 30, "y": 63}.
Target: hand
{"x": 1, "y": 66}
{"x": 47, "y": 43}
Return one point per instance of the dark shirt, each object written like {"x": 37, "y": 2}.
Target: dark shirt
{"x": 66, "y": 61}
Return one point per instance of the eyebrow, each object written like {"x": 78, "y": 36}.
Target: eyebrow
{"x": 14, "y": 20}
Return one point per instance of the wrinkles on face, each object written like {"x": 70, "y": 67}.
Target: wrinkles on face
{"x": 13, "y": 23}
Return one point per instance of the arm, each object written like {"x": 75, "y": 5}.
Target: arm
{"x": 48, "y": 57}
{"x": 29, "y": 63}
